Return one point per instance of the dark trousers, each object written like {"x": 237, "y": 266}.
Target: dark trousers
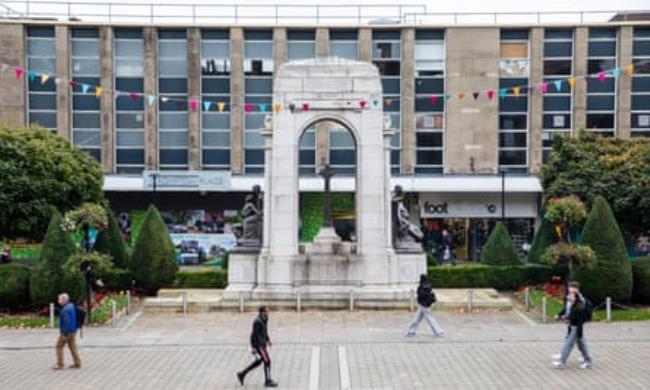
{"x": 262, "y": 356}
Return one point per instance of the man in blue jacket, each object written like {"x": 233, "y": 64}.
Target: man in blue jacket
{"x": 68, "y": 332}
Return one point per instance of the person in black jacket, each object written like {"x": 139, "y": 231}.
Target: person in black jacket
{"x": 575, "y": 314}
{"x": 259, "y": 342}
{"x": 426, "y": 298}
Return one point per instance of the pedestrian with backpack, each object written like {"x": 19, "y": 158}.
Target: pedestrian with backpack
{"x": 426, "y": 298}
{"x": 576, "y": 312}
{"x": 260, "y": 340}
{"x": 67, "y": 332}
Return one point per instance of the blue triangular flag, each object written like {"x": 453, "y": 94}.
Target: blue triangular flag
{"x": 151, "y": 99}
{"x": 84, "y": 88}
{"x": 447, "y": 97}
{"x": 616, "y": 72}
{"x": 558, "y": 85}
{"x": 503, "y": 92}
{"x": 206, "y": 106}
{"x": 32, "y": 75}
{"x": 262, "y": 107}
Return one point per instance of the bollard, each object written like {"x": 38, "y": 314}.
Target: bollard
{"x": 128, "y": 302}
{"x": 527, "y": 298}
{"x": 184, "y": 302}
{"x": 51, "y": 315}
{"x": 241, "y": 302}
{"x": 544, "y": 310}
{"x": 608, "y": 308}
{"x": 298, "y": 302}
{"x": 113, "y": 313}
{"x": 351, "y": 300}
{"x": 411, "y": 300}
{"x": 470, "y": 299}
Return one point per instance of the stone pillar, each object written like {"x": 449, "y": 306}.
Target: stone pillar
{"x": 236, "y": 100}
{"x": 624, "y": 97}
{"x": 151, "y": 88}
{"x": 322, "y": 42}
{"x": 107, "y": 99}
{"x": 472, "y": 126}
{"x": 535, "y": 112}
{"x": 408, "y": 101}
{"x": 13, "y": 109}
{"x": 279, "y": 48}
{"x": 580, "y": 46}
{"x": 194, "y": 92}
{"x": 63, "y": 92}
{"x": 365, "y": 44}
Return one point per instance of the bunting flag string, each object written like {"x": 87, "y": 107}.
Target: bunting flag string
{"x": 193, "y": 103}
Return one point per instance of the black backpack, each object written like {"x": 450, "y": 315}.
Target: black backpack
{"x": 589, "y": 310}
{"x": 81, "y": 316}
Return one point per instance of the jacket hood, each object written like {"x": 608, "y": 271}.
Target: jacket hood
{"x": 424, "y": 279}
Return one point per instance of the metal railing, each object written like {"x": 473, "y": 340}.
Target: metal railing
{"x": 539, "y": 17}
{"x": 206, "y": 13}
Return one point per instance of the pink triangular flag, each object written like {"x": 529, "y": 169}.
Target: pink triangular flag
{"x": 248, "y": 107}
{"x": 490, "y": 93}
{"x": 362, "y": 104}
{"x": 134, "y": 96}
{"x": 19, "y": 73}
{"x": 543, "y": 87}
{"x": 193, "y": 104}
{"x": 601, "y": 76}
{"x": 433, "y": 100}
{"x": 305, "y": 106}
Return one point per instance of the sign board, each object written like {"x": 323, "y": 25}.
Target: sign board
{"x": 207, "y": 180}
{"x": 486, "y": 205}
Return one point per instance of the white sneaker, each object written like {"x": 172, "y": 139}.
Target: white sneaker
{"x": 440, "y": 334}
{"x": 580, "y": 359}
{"x": 585, "y": 366}
{"x": 556, "y": 357}
{"x": 558, "y": 364}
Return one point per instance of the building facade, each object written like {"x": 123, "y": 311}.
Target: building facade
{"x": 465, "y": 161}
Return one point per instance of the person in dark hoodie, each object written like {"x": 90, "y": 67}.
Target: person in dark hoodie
{"x": 259, "y": 342}
{"x": 576, "y": 312}
{"x": 426, "y": 298}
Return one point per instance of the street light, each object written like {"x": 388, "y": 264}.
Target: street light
{"x": 503, "y": 197}
{"x": 154, "y": 177}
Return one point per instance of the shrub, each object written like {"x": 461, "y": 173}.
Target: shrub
{"x": 641, "y": 271}
{"x": 611, "y": 275}
{"x": 568, "y": 212}
{"x": 47, "y": 277}
{"x": 217, "y": 278}
{"x": 111, "y": 242}
{"x": 499, "y": 248}
{"x": 569, "y": 256}
{"x": 544, "y": 237}
{"x": 74, "y": 279}
{"x": 153, "y": 262}
{"x": 118, "y": 279}
{"x": 501, "y": 277}
{"x": 14, "y": 288}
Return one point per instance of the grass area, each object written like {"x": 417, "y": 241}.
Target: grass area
{"x": 553, "y": 306}
{"x": 100, "y": 315}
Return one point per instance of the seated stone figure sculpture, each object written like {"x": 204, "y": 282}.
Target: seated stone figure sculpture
{"x": 407, "y": 234}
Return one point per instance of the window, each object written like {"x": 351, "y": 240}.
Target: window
{"x": 172, "y": 105}
{"x": 301, "y": 44}
{"x": 343, "y": 43}
{"x": 342, "y": 153}
{"x": 640, "y": 113}
{"x": 41, "y": 59}
{"x": 258, "y": 85}
{"x": 84, "y": 62}
{"x": 601, "y": 97}
{"x": 387, "y": 56}
{"x": 429, "y": 112}
{"x": 513, "y": 109}
{"x": 129, "y": 114}
{"x": 215, "y": 89}
{"x": 557, "y": 102}
{"x": 307, "y": 152}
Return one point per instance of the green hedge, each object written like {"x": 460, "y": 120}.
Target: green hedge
{"x": 641, "y": 271}
{"x": 502, "y": 277}
{"x": 201, "y": 279}
{"x": 118, "y": 279}
{"x": 14, "y": 286}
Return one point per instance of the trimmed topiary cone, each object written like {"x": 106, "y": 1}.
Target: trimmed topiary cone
{"x": 499, "y": 248}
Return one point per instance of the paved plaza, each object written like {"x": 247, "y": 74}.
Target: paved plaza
{"x": 329, "y": 350}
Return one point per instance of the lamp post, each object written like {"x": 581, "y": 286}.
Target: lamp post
{"x": 503, "y": 196}
{"x": 154, "y": 177}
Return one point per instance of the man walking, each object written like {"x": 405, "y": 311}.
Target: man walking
{"x": 446, "y": 248}
{"x": 426, "y": 298}
{"x": 68, "y": 332}
{"x": 259, "y": 342}
{"x": 576, "y": 312}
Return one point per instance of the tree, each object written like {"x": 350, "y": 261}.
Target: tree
{"x": 545, "y": 236}
{"x": 567, "y": 213}
{"x": 38, "y": 170}
{"x": 47, "y": 278}
{"x": 499, "y": 248}
{"x": 641, "y": 288}
{"x": 618, "y": 170}
{"x": 111, "y": 242}
{"x": 153, "y": 261}
{"x": 14, "y": 288}
{"x": 611, "y": 275}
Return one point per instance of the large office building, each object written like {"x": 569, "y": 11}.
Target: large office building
{"x": 179, "y": 115}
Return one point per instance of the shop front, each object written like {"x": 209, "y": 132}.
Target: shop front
{"x": 470, "y": 217}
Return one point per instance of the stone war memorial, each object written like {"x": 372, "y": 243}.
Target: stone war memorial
{"x": 385, "y": 261}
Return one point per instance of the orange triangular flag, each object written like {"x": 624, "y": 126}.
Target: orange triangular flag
{"x": 571, "y": 81}
{"x": 221, "y": 106}
{"x": 277, "y": 107}
{"x": 388, "y": 102}
{"x": 630, "y": 69}
{"x": 98, "y": 91}
{"x": 461, "y": 96}
{"x": 516, "y": 90}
